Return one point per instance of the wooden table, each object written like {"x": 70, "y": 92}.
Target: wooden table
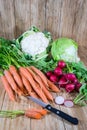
{"x": 63, "y": 18}
{"x": 49, "y": 122}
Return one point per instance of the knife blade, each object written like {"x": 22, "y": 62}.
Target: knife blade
{"x": 60, "y": 113}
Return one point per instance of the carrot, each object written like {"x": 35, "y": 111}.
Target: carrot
{"x": 8, "y": 88}
{"x": 33, "y": 94}
{"x": 28, "y": 87}
{"x": 11, "y": 81}
{"x": 32, "y": 114}
{"x": 52, "y": 86}
{"x": 12, "y": 69}
{"x": 41, "y": 111}
{"x": 26, "y": 83}
{"x": 16, "y": 76}
{"x": 38, "y": 79}
{"x": 43, "y": 97}
{"x": 36, "y": 88}
{"x": 38, "y": 72}
{"x": 28, "y": 113}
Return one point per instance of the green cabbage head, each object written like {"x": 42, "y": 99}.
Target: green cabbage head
{"x": 65, "y": 49}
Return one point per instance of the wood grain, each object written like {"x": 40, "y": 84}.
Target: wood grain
{"x": 63, "y": 18}
{"x": 22, "y": 16}
{"x": 7, "y": 19}
{"x": 2, "y": 94}
{"x": 38, "y": 13}
{"x": 53, "y": 17}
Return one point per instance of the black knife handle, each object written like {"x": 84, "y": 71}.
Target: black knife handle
{"x": 62, "y": 114}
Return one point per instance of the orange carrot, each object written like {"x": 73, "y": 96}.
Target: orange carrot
{"x": 38, "y": 72}
{"x": 33, "y": 114}
{"x": 33, "y": 94}
{"x": 38, "y": 79}
{"x": 8, "y": 88}
{"x": 36, "y": 88}
{"x": 16, "y": 76}
{"x": 26, "y": 83}
{"x": 42, "y": 95}
{"x": 11, "y": 81}
{"x": 28, "y": 87}
{"x": 12, "y": 69}
{"x": 41, "y": 111}
{"x": 52, "y": 86}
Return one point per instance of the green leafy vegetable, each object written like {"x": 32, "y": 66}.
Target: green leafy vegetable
{"x": 65, "y": 49}
{"x": 82, "y": 96}
{"x": 10, "y": 54}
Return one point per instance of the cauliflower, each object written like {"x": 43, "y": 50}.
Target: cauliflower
{"x": 35, "y": 43}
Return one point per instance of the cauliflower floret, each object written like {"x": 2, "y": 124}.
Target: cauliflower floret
{"x": 35, "y": 43}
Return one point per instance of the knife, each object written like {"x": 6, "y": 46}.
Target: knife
{"x": 54, "y": 110}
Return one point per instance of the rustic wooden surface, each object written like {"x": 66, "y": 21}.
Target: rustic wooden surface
{"x": 67, "y": 18}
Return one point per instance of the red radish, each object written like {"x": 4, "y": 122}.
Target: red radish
{"x": 61, "y": 64}
{"x": 53, "y": 78}
{"x": 58, "y": 71}
{"x": 68, "y": 103}
{"x": 62, "y": 82}
{"x": 59, "y": 100}
{"x": 75, "y": 81}
{"x": 77, "y": 86}
{"x": 70, "y": 87}
{"x": 49, "y": 73}
{"x": 70, "y": 76}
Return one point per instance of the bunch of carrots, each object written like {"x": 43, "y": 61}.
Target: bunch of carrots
{"x": 27, "y": 81}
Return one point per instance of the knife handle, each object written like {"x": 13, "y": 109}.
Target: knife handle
{"x": 62, "y": 114}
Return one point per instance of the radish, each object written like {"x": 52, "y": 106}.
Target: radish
{"x": 68, "y": 103}
{"x": 62, "y": 82}
{"x": 53, "y": 78}
{"x": 61, "y": 64}
{"x": 58, "y": 71}
{"x": 70, "y": 87}
{"x": 77, "y": 86}
{"x": 75, "y": 81}
{"x": 59, "y": 100}
{"x": 49, "y": 73}
{"x": 71, "y": 77}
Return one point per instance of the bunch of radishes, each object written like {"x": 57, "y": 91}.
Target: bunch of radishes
{"x": 68, "y": 81}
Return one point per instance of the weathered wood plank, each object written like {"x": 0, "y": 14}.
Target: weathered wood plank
{"x": 53, "y": 17}
{"x": 7, "y": 20}
{"x": 38, "y": 13}
{"x": 22, "y": 16}
{"x": 2, "y": 94}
